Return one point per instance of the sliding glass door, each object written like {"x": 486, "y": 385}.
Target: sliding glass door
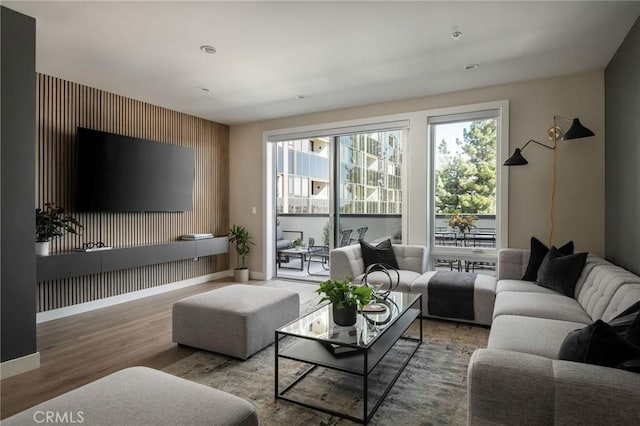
{"x": 334, "y": 190}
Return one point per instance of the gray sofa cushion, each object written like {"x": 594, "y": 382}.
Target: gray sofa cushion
{"x": 539, "y": 305}
{"x": 531, "y": 335}
{"x": 347, "y": 261}
{"x": 406, "y": 278}
{"x": 604, "y": 290}
{"x": 143, "y": 396}
{"x": 510, "y": 388}
{"x": 522, "y": 286}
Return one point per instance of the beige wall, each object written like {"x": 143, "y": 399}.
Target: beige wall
{"x": 579, "y": 209}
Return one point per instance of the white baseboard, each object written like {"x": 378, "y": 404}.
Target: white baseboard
{"x": 19, "y": 365}
{"x": 122, "y": 298}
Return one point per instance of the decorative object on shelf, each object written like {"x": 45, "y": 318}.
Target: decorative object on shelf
{"x": 91, "y": 246}
{"x": 197, "y": 236}
{"x": 340, "y": 350}
{"x": 239, "y": 236}
{"x": 344, "y": 297}
{"x": 462, "y": 223}
{"x": 576, "y": 131}
{"x": 52, "y": 222}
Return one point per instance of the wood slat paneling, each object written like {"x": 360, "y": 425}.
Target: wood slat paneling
{"x": 61, "y": 107}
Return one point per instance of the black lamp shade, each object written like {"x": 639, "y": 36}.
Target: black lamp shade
{"x": 576, "y": 131}
{"x": 516, "y": 159}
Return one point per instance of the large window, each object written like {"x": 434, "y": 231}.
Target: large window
{"x": 465, "y": 192}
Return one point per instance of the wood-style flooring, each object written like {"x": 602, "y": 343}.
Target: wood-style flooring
{"x": 82, "y": 348}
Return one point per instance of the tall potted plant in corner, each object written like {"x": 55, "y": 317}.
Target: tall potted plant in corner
{"x": 52, "y": 222}
{"x": 239, "y": 236}
{"x": 344, "y": 297}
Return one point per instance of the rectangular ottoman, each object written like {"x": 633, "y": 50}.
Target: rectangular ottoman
{"x": 237, "y": 320}
{"x": 484, "y": 296}
{"x": 141, "y": 396}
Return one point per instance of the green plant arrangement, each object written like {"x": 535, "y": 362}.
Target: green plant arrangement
{"x": 325, "y": 234}
{"x": 297, "y": 243}
{"x": 239, "y": 236}
{"x": 462, "y": 223}
{"x": 343, "y": 293}
{"x": 52, "y": 222}
{"x": 345, "y": 298}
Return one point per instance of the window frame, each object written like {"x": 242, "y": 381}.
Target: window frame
{"x": 467, "y": 113}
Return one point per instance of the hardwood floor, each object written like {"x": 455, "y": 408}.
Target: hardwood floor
{"x": 79, "y": 349}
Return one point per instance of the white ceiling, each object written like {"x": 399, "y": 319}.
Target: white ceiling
{"x": 337, "y": 54}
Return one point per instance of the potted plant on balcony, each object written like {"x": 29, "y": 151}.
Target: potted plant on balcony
{"x": 239, "y": 236}
{"x": 345, "y": 298}
{"x": 462, "y": 223}
{"x": 52, "y": 222}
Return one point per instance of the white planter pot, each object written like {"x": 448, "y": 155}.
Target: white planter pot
{"x": 42, "y": 249}
{"x": 241, "y": 275}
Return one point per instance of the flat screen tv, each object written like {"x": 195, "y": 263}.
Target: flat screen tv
{"x": 116, "y": 173}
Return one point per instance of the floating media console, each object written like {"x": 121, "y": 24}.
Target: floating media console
{"x": 76, "y": 264}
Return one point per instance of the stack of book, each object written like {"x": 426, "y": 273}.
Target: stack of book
{"x": 196, "y": 236}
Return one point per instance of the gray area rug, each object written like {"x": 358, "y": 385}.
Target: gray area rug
{"x": 431, "y": 390}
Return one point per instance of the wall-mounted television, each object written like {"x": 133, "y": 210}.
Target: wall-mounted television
{"x": 116, "y": 173}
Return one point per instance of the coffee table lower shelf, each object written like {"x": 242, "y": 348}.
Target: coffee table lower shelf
{"x": 361, "y": 364}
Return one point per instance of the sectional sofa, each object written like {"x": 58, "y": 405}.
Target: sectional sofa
{"x": 414, "y": 278}
{"x": 518, "y": 378}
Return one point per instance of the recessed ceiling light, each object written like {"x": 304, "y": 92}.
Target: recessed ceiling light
{"x": 456, "y": 35}
{"x": 208, "y": 49}
{"x": 471, "y": 67}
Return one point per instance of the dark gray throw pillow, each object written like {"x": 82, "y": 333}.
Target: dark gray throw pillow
{"x": 627, "y": 323}
{"x": 599, "y": 344}
{"x": 538, "y": 252}
{"x": 382, "y": 253}
{"x": 559, "y": 272}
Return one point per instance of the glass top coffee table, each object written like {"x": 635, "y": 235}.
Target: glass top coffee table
{"x": 373, "y": 353}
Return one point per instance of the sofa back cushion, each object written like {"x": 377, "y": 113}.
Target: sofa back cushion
{"x": 604, "y": 290}
{"x": 411, "y": 258}
{"x": 512, "y": 263}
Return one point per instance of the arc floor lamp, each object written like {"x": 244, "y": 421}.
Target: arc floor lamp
{"x": 576, "y": 131}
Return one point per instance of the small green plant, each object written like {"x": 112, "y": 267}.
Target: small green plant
{"x": 297, "y": 243}
{"x": 52, "y": 222}
{"x": 239, "y": 236}
{"x": 325, "y": 234}
{"x": 342, "y": 293}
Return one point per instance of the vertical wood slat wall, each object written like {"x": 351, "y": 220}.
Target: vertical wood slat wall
{"x": 61, "y": 107}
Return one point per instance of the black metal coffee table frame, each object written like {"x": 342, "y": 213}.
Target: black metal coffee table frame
{"x": 310, "y": 350}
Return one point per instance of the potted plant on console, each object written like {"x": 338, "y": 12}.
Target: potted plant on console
{"x": 52, "y": 222}
{"x": 344, "y": 297}
{"x": 239, "y": 236}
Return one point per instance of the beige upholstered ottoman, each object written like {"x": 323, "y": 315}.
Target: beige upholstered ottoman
{"x": 141, "y": 396}
{"x": 237, "y": 320}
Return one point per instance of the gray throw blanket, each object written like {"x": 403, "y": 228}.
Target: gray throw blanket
{"x": 450, "y": 294}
